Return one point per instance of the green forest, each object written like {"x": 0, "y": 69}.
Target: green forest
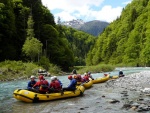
{"x": 29, "y": 33}
{"x": 126, "y": 40}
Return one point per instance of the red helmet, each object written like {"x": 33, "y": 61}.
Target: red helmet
{"x": 69, "y": 77}
{"x": 41, "y": 77}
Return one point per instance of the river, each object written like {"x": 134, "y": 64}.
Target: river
{"x": 8, "y": 104}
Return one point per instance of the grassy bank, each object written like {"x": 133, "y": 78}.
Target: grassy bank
{"x": 11, "y": 70}
{"x": 95, "y": 69}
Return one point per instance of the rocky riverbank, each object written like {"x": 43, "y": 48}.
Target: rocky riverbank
{"x": 122, "y": 95}
{"x": 133, "y": 91}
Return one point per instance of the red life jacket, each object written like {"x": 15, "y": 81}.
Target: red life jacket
{"x": 56, "y": 85}
{"x": 86, "y": 78}
{"x": 43, "y": 86}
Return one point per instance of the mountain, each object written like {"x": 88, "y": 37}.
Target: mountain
{"x": 94, "y": 27}
{"x": 74, "y": 23}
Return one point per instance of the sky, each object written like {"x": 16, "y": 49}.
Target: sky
{"x": 87, "y": 10}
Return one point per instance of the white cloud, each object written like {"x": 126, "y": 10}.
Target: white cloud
{"x": 127, "y": 2}
{"x": 107, "y": 13}
{"x": 64, "y": 16}
{"x": 70, "y": 4}
{"x": 75, "y": 9}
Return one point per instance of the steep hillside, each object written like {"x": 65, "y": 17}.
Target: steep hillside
{"x": 126, "y": 40}
{"x": 94, "y": 27}
{"x": 80, "y": 43}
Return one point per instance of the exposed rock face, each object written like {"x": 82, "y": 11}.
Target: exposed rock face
{"x": 94, "y": 27}
{"x": 73, "y": 23}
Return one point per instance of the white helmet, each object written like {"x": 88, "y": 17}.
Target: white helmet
{"x": 32, "y": 76}
{"x": 52, "y": 78}
{"x": 55, "y": 77}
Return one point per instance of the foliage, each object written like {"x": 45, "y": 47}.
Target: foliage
{"x": 30, "y": 30}
{"x": 96, "y": 69}
{"x": 44, "y": 62}
{"x": 145, "y": 54}
{"x": 17, "y": 70}
{"x": 32, "y": 46}
{"x": 54, "y": 69}
{"x": 125, "y": 40}
{"x": 80, "y": 43}
{"x": 7, "y": 32}
{"x": 28, "y": 27}
{"x": 12, "y": 70}
{"x": 14, "y": 22}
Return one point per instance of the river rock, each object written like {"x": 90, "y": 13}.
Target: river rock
{"x": 114, "y": 101}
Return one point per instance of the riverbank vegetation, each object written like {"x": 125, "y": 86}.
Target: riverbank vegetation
{"x": 12, "y": 70}
{"x": 95, "y": 69}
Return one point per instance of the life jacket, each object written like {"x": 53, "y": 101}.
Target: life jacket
{"x": 56, "y": 85}
{"x": 72, "y": 84}
{"x": 43, "y": 85}
{"x": 83, "y": 80}
{"x": 86, "y": 78}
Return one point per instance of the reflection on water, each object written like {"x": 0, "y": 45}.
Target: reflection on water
{"x": 9, "y": 104}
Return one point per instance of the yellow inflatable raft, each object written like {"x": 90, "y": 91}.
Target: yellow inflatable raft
{"x": 29, "y": 96}
{"x": 100, "y": 80}
{"x": 114, "y": 77}
{"x": 86, "y": 84}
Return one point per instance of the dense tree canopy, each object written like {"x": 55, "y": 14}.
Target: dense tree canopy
{"x": 19, "y": 35}
{"x": 127, "y": 39}
{"x": 32, "y": 46}
{"x": 80, "y": 43}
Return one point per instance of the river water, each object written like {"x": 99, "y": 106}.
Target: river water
{"x": 8, "y": 104}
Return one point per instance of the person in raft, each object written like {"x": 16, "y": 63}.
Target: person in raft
{"x": 42, "y": 85}
{"x": 74, "y": 71}
{"x": 55, "y": 77}
{"x": 71, "y": 86}
{"x": 105, "y": 75}
{"x": 79, "y": 78}
{"x": 31, "y": 83}
{"x": 86, "y": 77}
{"x": 121, "y": 73}
{"x": 90, "y": 76}
{"x": 54, "y": 86}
